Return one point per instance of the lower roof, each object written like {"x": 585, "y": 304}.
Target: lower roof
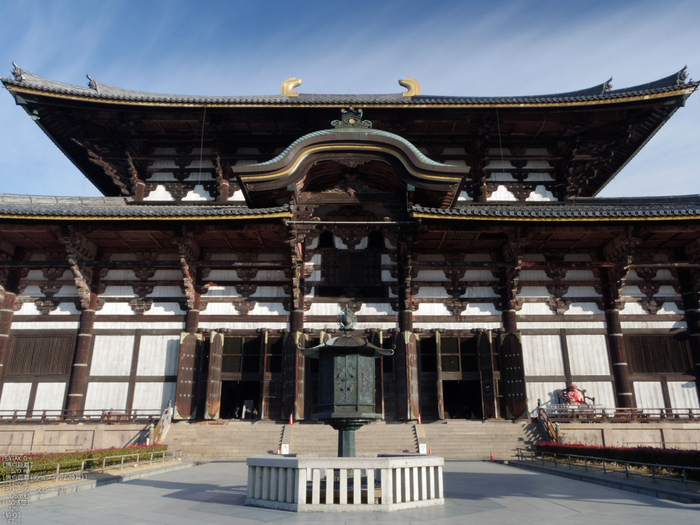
{"x": 125, "y": 208}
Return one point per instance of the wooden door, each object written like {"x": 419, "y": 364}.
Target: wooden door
{"x": 513, "y": 375}
{"x": 213, "y": 399}
{"x": 488, "y": 393}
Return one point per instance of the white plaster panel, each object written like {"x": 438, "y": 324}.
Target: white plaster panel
{"x": 223, "y": 275}
{"x": 38, "y": 275}
{"x": 541, "y": 193}
{"x": 46, "y": 326}
{"x": 166, "y": 291}
{"x": 431, "y": 275}
{"x": 649, "y": 394}
{"x": 158, "y": 355}
{"x": 120, "y": 275}
{"x": 579, "y": 275}
{"x": 315, "y": 275}
{"x": 533, "y": 275}
{"x": 376, "y": 309}
{"x": 153, "y": 396}
{"x": 323, "y": 309}
{"x": 536, "y": 309}
{"x": 15, "y": 396}
{"x": 502, "y": 194}
{"x": 433, "y": 309}
{"x": 313, "y": 244}
{"x": 559, "y": 325}
{"x": 270, "y": 275}
{"x": 432, "y": 292}
{"x": 159, "y": 194}
{"x": 133, "y": 325}
{"x": 198, "y": 193}
{"x": 534, "y": 291}
{"x": 28, "y": 308}
{"x": 542, "y": 355}
{"x": 457, "y": 326}
{"x": 167, "y": 275}
{"x": 49, "y": 396}
{"x": 588, "y": 354}
{"x": 165, "y": 309}
{"x": 633, "y": 308}
{"x": 386, "y": 277}
{"x": 479, "y": 292}
{"x": 67, "y": 308}
{"x": 118, "y": 291}
{"x": 221, "y": 309}
{"x": 269, "y": 291}
{"x": 221, "y": 291}
{"x": 501, "y": 177}
{"x": 644, "y": 325}
{"x": 545, "y": 392}
{"x": 683, "y": 394}
{"x": 477, "y": 275}
{"x": 106, "y": 396}
{"x": 602, "y": 391}
{"x": 358, "y": 326}
{"x": 249, "y": 325}
{"x": 115, "y": 309}
{"x": 111, "y": 355}
{"x": 577, "y": 257}
{"x": 316, "y": 259}
{"x": 584, "y": 309}
{"x": 581, "y": 291}
{"x": 269, "y": 309}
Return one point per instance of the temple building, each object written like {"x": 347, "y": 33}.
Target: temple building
{"x": 463, "y": 230}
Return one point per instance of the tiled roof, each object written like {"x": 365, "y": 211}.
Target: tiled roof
{"x": 100, "y": 91}
{"x": 30, "y": 206}
{"x": 582, "y": 209}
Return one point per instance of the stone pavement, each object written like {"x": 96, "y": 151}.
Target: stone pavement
{"x": 474, "y": 492}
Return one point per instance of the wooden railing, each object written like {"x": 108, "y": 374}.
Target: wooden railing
{"x": 566, "y": 413}
{"x": 57, "y": 416}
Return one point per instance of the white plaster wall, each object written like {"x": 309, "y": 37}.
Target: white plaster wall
{"x": 534, "y": 291}
{"x": 166, "y": 291}
{"x": 120, "y": 275}
{"x": 158, "y": 355}
{"x": 269, "y": 309}
{"x": 431, "y": 275}
{"x": 118, "y": 291}
{"x": 545, "y": 392}
{"x": 106, "y": 396}
{"x": 534, "y": 275}
{"x": 221, "y": 309}
{"x": 159, "y": 194}
{"x": 579, "y": 275}
{"x": 645, "y": 325}
{"x": 249, "y": 325}
{"x": 457, "y": 326}
{"x": 542, "y": 355}
{"x": 340, "y": 245}
{"x": 648, "y": 394}
{"x": 584, "y": 309}
{"x": 477, "y": 275}
{"x": 636, "y": 309}
{"x": 111, "y": 355}
{"x": 432, "y": 292}
{"x": 153, "y": 396}
{"x": 49, "y": 396}
{"x": 535, "y": 309}
{"x": 198, "y": 193}
{"x": 502, "y": 194}
{"x": 541, "y": 193}
{"x": 134, "y": 325}
{"x": 588, "y": 354}
{"x": 15, "y": 396}
{"x": 376, "y": 309}
{"x": 581, "y": 291}
{"x": 221, "y": 291}
{"x": 683, "y": 394}
{"x": 432, "y": 309}
{"x": 165, "y": 309}
{"x": 46, "y": 326}
{"x": 116, "y": 309}
{"x": 269, "y": 291}
{"x": 479, "y": 292}
{"x": 602, "y": 391}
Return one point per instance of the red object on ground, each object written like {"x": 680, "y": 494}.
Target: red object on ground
{"x": 430, "y": 450}
{"x": 491, "y": 457}
{"x": 291, "y": 419}
{"x": 420, "y": 422}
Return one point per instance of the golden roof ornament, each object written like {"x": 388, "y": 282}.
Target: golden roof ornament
{"x": 289, "y": 85}
{"x": 412, "y": 85}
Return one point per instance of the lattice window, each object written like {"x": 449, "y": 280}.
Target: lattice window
{"x": 33, "y": 355}
{"x": 658, "y": 354}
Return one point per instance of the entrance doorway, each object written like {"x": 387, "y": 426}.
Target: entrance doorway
{"x": 462, "y": 399}
{"x": 237, "y": 394}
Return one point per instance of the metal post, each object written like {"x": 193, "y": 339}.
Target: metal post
{"x": 58, "y": 470}
{"x": 122, "y": 464}
{"x": 586, "y": 460}
{"x": 555, "y": 460}
{"x": 569, "y": 456}
{"x": 653, "y": 473}
{"x": 82, "y": 466}
{"x": 103, "y": 465}
{"x": 604, "y": 470}
{"x": 627, "y": 471}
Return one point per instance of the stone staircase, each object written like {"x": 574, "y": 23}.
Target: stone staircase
{"x": 452, "y": 439}
{"x": 476, "y": 440}
{"x": 224, "y": 440}
{"x": 308, "y": 439}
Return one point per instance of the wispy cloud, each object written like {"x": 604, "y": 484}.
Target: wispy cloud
{"x": 463, "y": 48}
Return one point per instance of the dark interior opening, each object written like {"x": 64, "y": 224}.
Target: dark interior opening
{"x": 234, "y": 394}
{"x": 462, "y": 399}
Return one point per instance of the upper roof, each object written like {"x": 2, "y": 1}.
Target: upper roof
{"x": 25, "y": 81}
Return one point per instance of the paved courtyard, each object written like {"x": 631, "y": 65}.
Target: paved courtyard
{"x": 475, "y": 492}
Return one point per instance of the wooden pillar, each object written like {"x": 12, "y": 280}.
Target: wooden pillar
{"x": 7, "y": 313}
{"x": 618, "y": 358}
{"x": 79, "y": 372}
{"x": 294, "y": 367}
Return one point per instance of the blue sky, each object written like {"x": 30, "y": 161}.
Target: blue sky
{"x": 451, "y": 48}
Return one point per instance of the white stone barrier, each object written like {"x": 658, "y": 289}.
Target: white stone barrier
{"x": 387, "y": 483}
